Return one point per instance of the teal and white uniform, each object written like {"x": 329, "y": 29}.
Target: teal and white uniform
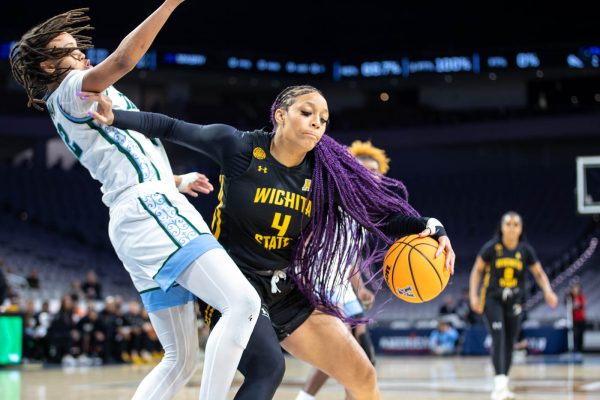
{"x": 155, "y": 231}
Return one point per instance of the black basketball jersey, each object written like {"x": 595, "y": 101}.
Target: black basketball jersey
{"x": 262, "y": 212}
{"x": 505, "y": 268}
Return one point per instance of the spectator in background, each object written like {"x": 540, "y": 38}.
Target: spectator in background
{"x": 578, "y": 311}
{"x": 135, "y": 334}
{"x": 121, "y": 342}
{"x": 14, "y": 283}
{"x": 43, "y": 319}
{"x": 33, "y": 280}
{"x": 14, "y": 305}
{"x": 63, "y": 334}
{"x": 30, "y": 345}
{"x": 443, "y": 339}
{"x": 463, "y": 309}
{"x": 448, "y": 307}
{"x": 448, "y": 311}
{"x": 92, "y": 334}
{"x": 75, "y": 291}
{"x": 109, "y": 317}
{"x": 151, "y": 347}
{"x": 91, "y": 287}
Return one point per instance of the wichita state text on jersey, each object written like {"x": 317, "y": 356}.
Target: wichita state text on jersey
{"x": 262, "y": 212}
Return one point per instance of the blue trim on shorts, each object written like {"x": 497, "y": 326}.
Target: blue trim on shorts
{"x": 155, "y": 300}
{"x": 352, "y": 308}
{"x": 182, "y": 258}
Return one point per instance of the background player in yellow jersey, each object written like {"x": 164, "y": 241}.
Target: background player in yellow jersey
{"x": 504, "y": 260}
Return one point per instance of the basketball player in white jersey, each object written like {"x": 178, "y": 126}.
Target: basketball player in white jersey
{"x": 162, "y": 240}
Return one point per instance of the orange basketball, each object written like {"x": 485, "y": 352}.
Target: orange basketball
{"x": 412, "y": 272}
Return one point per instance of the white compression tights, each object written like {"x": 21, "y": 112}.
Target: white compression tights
{"x": 214, "y": 278}
{"x": 177, "y": 331}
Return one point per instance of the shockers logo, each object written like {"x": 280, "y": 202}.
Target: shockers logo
{"x": 407, "y": 291}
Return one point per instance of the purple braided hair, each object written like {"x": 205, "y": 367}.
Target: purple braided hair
{"x": 348, "y": 201}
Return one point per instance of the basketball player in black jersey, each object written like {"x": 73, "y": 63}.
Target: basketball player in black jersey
{"x": 503, "y": 261}
{"x": 279, "y": 191}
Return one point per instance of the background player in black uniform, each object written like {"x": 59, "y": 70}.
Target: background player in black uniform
{"x": 279, "y": 191}
{"x": 503, "y": 260}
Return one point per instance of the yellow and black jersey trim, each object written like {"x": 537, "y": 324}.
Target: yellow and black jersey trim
{"x": 216, "y": 221}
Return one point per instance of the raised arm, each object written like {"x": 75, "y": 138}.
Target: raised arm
{"x": 130, "y": 50}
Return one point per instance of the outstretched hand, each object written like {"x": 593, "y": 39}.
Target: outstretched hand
{"x": 103, "y": 114}
{"x": 445, "y": 246}
{"x": 199, "y": 184}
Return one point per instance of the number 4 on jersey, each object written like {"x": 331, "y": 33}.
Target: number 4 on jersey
{"x": 281, "y": 227}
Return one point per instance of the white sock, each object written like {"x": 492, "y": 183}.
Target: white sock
{"x": 304, "y": 396}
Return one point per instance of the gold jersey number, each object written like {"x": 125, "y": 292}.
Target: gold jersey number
{"x": 508, "y": 280}
{"x": 281, "y": 226}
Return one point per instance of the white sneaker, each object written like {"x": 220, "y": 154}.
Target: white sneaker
{"x": 497, "y": 395}
{"x": 68, "y": 361}
{"x": 508, "y": 395}
{"x": 500, "y": 387}
{"x": 84, "y": 361}
{"x": 96, "y": 361}
{"x": 501, "y": 390}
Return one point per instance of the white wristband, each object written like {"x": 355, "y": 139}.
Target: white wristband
{"x": 433, "y": 224}
{"x": 186, "y": 180}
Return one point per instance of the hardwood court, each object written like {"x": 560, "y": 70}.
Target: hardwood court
{"x": 421, "y": 378}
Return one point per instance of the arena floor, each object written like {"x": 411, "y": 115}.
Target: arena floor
{"x": 415, "y": 378}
